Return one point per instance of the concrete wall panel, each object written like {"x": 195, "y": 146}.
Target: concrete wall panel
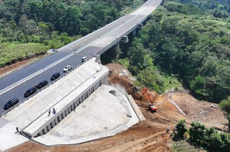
{"x": 70, "y": 106}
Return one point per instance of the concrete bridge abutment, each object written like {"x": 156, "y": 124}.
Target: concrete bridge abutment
{"x": 54, "y": 119}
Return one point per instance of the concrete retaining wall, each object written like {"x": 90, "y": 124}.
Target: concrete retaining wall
{"x": 42, "y": 125}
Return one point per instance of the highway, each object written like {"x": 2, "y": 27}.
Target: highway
{"x": 16, "y": 83}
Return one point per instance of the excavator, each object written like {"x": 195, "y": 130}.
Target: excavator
{"x": 151, "y": 105}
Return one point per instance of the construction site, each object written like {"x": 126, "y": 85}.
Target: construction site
{"x": 106, "y": 121}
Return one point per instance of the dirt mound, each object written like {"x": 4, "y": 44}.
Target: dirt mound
{"x": 120, "y": 75}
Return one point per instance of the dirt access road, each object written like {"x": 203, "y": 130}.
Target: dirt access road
{"x": 148, "y": 135}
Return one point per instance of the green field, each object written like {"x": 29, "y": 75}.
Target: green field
{"x": 183, "y": 146}
{"x": 13, "y": 52}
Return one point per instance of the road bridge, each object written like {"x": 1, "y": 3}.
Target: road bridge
{"x": 93, "y": 44}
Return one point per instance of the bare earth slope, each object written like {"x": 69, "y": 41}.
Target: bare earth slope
{"x": 149, "y": 135}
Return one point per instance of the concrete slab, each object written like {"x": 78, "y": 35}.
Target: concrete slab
{"x": 136, "y": 109}
{"x": 8, "y": 137}
{"x": 147, "y": 10}
{"x": 3, "y": 122}
{"x": 36, "y": 126}
{"x": 101, "y": 115}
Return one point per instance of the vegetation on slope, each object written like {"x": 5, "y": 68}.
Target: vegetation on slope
{"x": 190, "y": 41}
{"x": 13, "y": 52}
{"x": 53, "y": 23}
{"x": 225, "y": 105}
{"x": 183, "y": 40}
{"x": 207, "y": 138}
{"x": 186, "y": 39}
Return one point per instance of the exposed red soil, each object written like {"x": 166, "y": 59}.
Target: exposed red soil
{"x": 198, "y": 111}
{"x": 148, "y": 135}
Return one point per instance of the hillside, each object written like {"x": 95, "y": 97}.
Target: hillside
{"x": 149, "y": 135}
{"x": 185, "y": 42}
{"x": 35, "y": 26}
{"x": 182, "y": 55}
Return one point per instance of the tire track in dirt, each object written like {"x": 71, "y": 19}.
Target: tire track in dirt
{"x": 139, "y": 144}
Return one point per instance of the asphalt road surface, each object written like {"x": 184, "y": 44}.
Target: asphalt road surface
{"x": 16, "y": 83}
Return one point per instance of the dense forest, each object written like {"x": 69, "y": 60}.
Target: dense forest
{"x": 185, "y": 39}
{"x": 184, "y": 42}
{"x": 208, "y": 138}
{"x": 44, "y": 24}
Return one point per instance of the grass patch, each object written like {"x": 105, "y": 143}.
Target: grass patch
{"x": 171, "y": 81}
{"x": 184, "y": 146}
{"x": 13, "y": 52}
{"x": 205, "y": 25}
{"x": 124, "y": 62}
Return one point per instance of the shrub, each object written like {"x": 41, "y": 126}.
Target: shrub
{"x": 181, "y": 128}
